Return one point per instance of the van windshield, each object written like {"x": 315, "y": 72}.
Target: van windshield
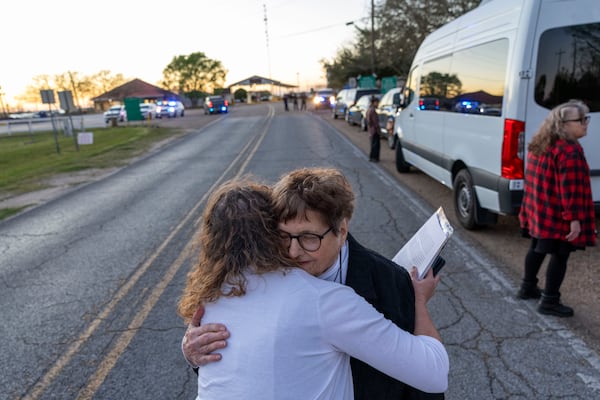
{"x": 568, "y": 66}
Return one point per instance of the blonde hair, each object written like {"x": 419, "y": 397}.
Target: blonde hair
{"x": 238, "y": 233}
{"x": 552, "y": 128}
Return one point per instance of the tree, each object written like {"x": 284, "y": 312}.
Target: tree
{"x": 73, "y": 82}
{"x": 82, "y": 87}
{"x": 193, "y": 75}
{"x": 104, "y": 81}
{"x": 32, "y": 92}
{"x": 435, "y": 84}
{"x": 240, "y": 94}
{"x": 400, "y": 27}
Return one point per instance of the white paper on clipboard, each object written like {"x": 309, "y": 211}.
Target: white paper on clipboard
{"x": 424, "y": 246}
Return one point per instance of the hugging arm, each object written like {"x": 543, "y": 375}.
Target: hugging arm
{"x": 201, "y": 341}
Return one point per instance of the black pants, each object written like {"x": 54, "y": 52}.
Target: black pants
{"x": 555, "y": 273}
{"x": 375, "y": 145}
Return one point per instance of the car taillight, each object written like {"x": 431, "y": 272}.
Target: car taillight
{"x": 226, "y": 103}
{"x": 210, "y": 104}
{"x": 513, "y": 149}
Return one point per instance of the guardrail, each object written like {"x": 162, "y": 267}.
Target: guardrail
{"x": 62, "y": 123}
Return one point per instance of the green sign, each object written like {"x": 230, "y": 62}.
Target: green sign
{"x": 132, "y": 108}
{"x": 367, "y": 82}
{"x": 387, "y": 83}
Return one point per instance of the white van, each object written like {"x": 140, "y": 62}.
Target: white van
{"x": 480, "y": 86}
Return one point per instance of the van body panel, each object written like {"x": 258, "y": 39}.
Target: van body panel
{"x": 482, "y": 69}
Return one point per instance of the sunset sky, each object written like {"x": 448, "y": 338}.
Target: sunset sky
{"x": 140, "y": 38}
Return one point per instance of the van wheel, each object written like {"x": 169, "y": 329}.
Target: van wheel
{"x": 469, "y": 213}
{"x": 401, "y": 165}
{"x": 465, "y": 199}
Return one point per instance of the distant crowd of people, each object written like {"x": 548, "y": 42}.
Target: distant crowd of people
{"x": 294, "y": 98}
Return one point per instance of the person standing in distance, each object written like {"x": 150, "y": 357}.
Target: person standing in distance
{"x": 306, "y": 202}
{"x": 373, "y": 129}
{"x": 557, "y": 211}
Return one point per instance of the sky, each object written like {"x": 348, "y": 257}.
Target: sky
{"x": 140, "y": 38}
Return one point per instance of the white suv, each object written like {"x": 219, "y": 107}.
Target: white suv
{"x": 170, "y": 109}
{"x": 117, "y": 112}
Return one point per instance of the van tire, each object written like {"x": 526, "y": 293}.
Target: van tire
{"x": 401, "y": 165}
{"x": 465, "y": 199}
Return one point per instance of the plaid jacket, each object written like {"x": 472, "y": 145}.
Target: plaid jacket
{"x": 557, "y": 191}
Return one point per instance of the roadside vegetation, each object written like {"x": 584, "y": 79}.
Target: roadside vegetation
{"x": 27, "y": 161}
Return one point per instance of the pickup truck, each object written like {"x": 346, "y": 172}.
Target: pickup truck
{"x": 215, "y": 104}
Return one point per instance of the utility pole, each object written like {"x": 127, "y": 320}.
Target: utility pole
{"x": 3, "y": 112}
{"x": 267, "y": 37}
{"x": 373, "y": 37}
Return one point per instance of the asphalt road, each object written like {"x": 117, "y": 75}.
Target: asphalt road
{"x": 90, "y": 279}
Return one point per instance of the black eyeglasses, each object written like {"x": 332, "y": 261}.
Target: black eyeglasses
{"x": 308, "y": 241}
{"x": 582, "y": 121}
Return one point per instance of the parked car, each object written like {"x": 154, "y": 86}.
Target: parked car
{"x": 389, "y": 106}
{"x": 357, "y": 114}
{"x": 148, "y": 110}
{"x": 323, "y": 99}
{"x": 117, "y": 112}
{"x": 215, "y": 104}
{"x": 346, "y": 98}
{"x": 169, "y": 109}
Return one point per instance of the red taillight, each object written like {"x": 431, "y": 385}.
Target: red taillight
{"x": 513, "y": 149}
{"x": 210, "y": 104}
{"x": 226, "y": 103}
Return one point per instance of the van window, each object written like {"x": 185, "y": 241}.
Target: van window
{"x": 468, "y": 81}
{"x": 436, "y": 82}
{"x": 411, "y": 85}
{"x": 567, "y": 66}
{"x": 481, "y": 73}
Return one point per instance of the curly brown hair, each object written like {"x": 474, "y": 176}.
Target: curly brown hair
{"x": 238, "y": 233}
{"x": 552, "y": 128}
{"x": 323, "y": 190}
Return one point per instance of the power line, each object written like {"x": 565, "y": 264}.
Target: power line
{"x": 322, "y": 28}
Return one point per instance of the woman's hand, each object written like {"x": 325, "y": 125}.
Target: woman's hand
{"x": 575, "y": 231}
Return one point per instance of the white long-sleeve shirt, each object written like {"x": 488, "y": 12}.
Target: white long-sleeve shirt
{"x": 292, "y": 336}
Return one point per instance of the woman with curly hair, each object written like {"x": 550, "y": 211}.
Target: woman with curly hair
{"x": 292, "y": 334}
{"x": 557, "y": 211}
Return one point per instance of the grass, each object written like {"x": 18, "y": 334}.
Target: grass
{"x": 28, "y": 160}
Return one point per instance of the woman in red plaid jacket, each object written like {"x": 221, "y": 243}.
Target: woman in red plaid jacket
{"x": 557, "y": 210}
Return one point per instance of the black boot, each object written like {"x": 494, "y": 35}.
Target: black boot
{"x": 551, "y": 305}
{"x": 529, "y": 290}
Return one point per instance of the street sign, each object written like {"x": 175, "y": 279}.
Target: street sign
{"x": 47, "y": 96}
{"x": 366, "y": 82}
{"x": 66, "y": 100}
{"x": 387, "y": 83}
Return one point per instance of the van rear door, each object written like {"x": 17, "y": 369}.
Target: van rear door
{"x": 566, "y": 49}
